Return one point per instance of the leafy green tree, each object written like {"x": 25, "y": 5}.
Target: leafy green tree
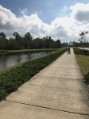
{"x": 17, "y": 36}
{"x": 28, "y": 40}
{"x": 3, "y": 41}
{"x": 12, "y": 44}
{"x": 18, "y": 40}
{"x": 58, "y": 44}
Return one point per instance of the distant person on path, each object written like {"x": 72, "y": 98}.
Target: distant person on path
{"x": 68, "y": 51}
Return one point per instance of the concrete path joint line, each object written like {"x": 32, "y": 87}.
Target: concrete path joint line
{"x": 48, "y": 108}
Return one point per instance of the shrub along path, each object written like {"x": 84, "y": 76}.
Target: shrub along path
{"x": 57, "y": 92}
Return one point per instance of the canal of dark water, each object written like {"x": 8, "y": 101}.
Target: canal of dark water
{"x": 7, "y": 61}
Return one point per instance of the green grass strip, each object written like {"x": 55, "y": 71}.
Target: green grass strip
{"x": 13, "y": 78}
{"x": 5, "y": 52}
{"x": 83, "y": 61}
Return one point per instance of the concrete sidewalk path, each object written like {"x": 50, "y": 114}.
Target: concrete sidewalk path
{"x": 57, "y": 92}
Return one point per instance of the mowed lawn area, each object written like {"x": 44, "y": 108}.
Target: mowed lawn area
{"x": 83, "y": 61}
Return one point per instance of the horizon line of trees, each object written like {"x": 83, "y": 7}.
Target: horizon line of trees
{"x": 80, "y": 44}
{"x": 17, "y": 42}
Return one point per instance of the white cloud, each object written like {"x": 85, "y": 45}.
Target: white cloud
{"x": 65, "y": 28}
{"x": 80, "y": 11}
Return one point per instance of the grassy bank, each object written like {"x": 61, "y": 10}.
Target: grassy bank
{"x": 5, "y": 52}
{"x": 81, "y": 51}
{"x": 83, "y": 61}
{"x": 11, "y": 79}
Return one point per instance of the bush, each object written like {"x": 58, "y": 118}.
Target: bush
{"x": 2, "y": 94}
{"x": 86, "y": 77}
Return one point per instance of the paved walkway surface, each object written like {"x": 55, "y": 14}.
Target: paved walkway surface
{"x": 83, "y": 48}
{"x": 57, "y": 92}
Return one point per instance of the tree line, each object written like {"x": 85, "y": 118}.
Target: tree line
{"x": 17, "y": 42}
{"x": 80, "y": 44}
